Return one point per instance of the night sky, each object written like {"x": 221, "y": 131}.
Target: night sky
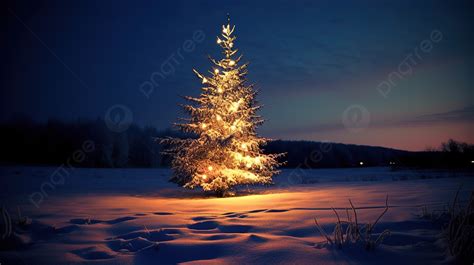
{"x": 396, "y": 74}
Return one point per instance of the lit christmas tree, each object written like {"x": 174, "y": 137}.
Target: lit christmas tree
{"x": 227, "y": 150}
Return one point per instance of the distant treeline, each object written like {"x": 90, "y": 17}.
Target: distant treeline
{"x": 87, "y": 143}
{"x": 451, "y": 154}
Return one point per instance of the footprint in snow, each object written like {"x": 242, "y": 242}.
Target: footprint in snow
{"x": 163, "y": 213}
{"x": 203, "y": 218}
{"x": 85, "y": 221}
{"x": 120, "y": 220}
{"x": 94, "y": 253}
{"x": 206, "y": 225}
{"x": 277, "y": 211}
{"x": 257, "y": 211}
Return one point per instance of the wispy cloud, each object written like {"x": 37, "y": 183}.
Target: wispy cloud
{"x": 459, "y": 115}
{"x": 464, "y": 114}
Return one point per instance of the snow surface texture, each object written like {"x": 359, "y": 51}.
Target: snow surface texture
{"x": 134, "y": 216}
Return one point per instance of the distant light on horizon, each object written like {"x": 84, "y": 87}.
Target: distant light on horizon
{"x": 361, "y": 163}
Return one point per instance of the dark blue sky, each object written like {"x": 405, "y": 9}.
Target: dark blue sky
{"x": 317, "y": 64}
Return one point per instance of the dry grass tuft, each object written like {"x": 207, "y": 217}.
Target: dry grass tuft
{"x": 459, "y": 231}
{"x": 347, "y": 232}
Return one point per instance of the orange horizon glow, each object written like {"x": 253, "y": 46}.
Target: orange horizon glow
{"x": 409, "y": 138}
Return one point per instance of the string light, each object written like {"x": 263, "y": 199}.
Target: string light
{"x": 234, "y": 107}
{"x": 238, "y": 156}
{"x": 218, "y": 157}
{"x": 226, "y": 29}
